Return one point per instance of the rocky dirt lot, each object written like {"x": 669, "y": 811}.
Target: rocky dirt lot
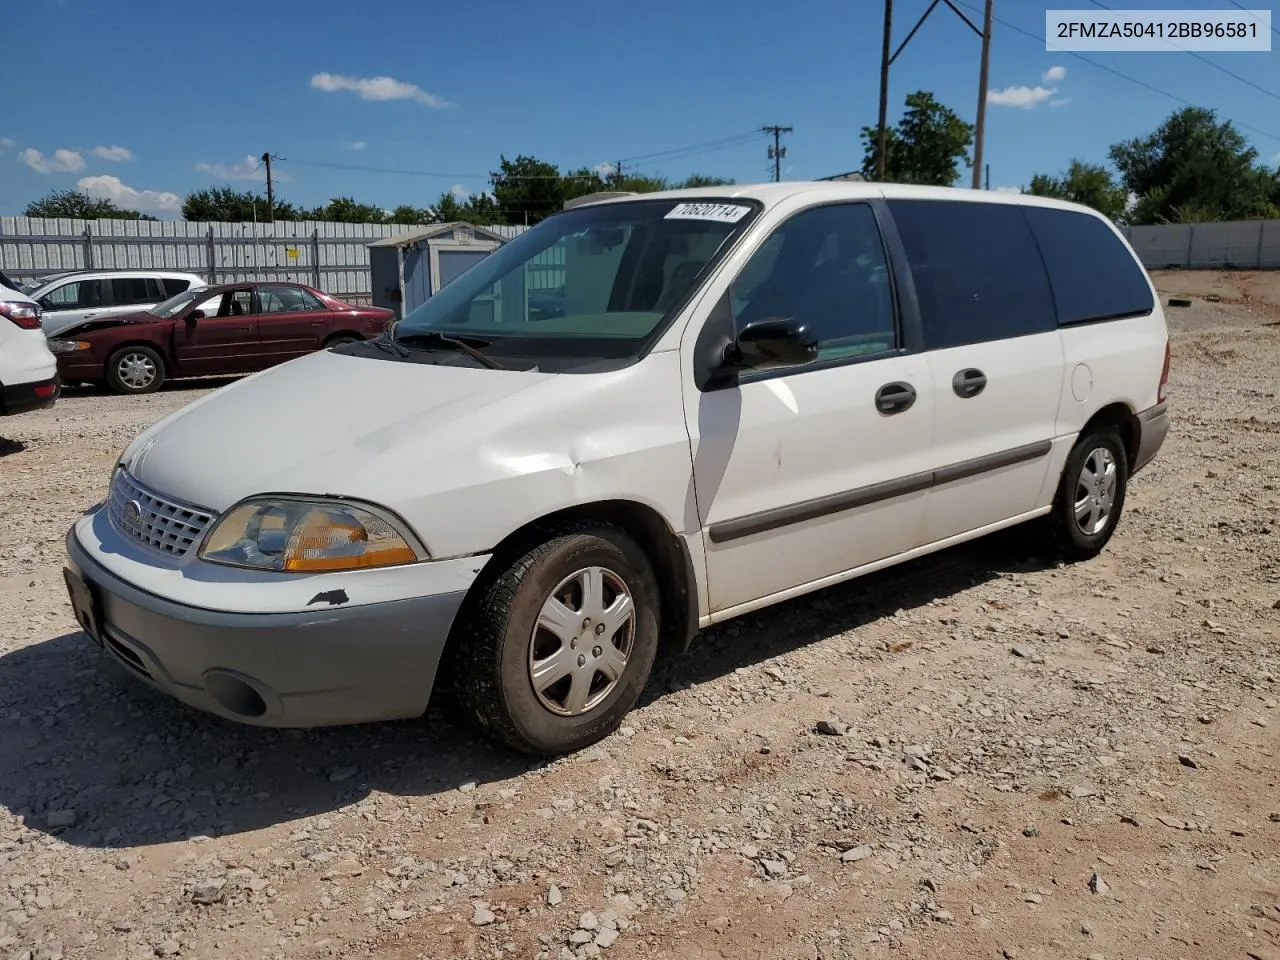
{"x": 980, "y": 755}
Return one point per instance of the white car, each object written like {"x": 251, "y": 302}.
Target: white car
{"x": 71, "y": 298}
{"x": 750, "y": 393}
{"x": 28, "y": 370}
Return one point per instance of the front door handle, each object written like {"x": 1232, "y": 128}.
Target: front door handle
{"x": 969, "y": 383}
{"x": 895, "y": 398}
{"x": 242, "y": 329}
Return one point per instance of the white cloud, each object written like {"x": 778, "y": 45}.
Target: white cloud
{"x": 1024, "y": 97}
{"x": 604, "y": 169}
{"x": 126, "y": 197}
{"x": 460, "y": 193}
{"x": 6, "y": 143}
{"x": 1054, "y": 75}
{"x": 376, "y": 88}
{"x": 249, "y": 169}
{"x": 1060, "y": 102}
{"x": 354, "y": 145}
{"x": 62, "y": 161}
{"x": 1276, "y": 158}
{"x": 114, "y": 154}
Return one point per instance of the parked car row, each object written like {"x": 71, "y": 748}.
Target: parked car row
{"x": 133, "y": 330}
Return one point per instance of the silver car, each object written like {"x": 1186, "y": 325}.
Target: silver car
{"x": 70, "y": 298}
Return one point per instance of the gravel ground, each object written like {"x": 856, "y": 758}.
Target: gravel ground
{"x": 979, "y": 755}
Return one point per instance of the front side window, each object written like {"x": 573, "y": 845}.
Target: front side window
{"x": 236, "y": 303}
{"x": 595, "y": 282}
{"x": 977, "y": 271}
{"x": 76, "y": 295}
{"x": 284, "y": 299}
{"x": 826, "y": 269}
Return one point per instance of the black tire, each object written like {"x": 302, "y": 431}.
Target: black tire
{"x": 1075, "y": 539}
{"x": 492, "y": 661}
{"x": 122, "y": 382}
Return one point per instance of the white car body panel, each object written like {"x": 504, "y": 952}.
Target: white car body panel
{"x": 24, "y": 354}
{"x": 56, "y": 320}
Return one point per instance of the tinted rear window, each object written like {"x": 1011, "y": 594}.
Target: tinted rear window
{"x": 173, "y": 286}
{"x": 977, "y": 272}
{"x": 1093, "y": 274}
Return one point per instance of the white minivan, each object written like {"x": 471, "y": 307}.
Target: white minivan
{"x": 745, "y": 393}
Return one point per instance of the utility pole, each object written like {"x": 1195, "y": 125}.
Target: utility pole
{"x": 980, "y": 128}
{"x": 777, "y": 151}
{"x": 884, "y": 89}
{"x": 886, "y": 60}
{"x": 271, "y": 197}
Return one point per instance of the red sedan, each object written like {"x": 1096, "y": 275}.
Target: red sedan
{"x": 228, "y": 329}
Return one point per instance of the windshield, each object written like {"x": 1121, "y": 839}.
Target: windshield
{"x": 176, "y": 304}
{"x": 593, "y": 282}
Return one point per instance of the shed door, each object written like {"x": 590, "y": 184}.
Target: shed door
{"x": 417, "y": 277}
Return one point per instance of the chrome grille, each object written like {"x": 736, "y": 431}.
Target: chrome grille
{"x": 160, "y": 523}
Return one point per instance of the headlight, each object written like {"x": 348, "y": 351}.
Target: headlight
{"x": 306, "y": 536}
{"x": 69, "y": 346}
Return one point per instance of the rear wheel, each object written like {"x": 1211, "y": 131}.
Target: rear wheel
{"x": 556, "y": 650}
{"x": 1090, "y": 495}
{"x": 135, "y": 370}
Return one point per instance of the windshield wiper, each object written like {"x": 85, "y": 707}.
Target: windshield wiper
{"x": 388, "y": 345}
{"x": 436, "y": 338}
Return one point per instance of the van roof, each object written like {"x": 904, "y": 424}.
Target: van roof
{"x": 773, "y": 193}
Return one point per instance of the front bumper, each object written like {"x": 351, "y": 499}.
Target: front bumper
{"x": 23, "y": 397}
{"x": 330, "y": 666}
{"x": 1153, "y": 427}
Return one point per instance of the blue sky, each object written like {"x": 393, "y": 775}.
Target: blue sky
{"x": 144, "y": 101}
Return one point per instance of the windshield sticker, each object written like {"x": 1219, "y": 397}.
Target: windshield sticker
{"x": 719, "y": 212}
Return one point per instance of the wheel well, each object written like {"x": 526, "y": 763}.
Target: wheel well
{"x": 1118, "y": 415}
{"x": 340, "y": 334}
{"x": 668, "y": 553}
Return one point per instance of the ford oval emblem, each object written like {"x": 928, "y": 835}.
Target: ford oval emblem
{"x": 133, "y": 513}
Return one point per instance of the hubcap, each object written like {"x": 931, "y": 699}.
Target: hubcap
{"x": 136, "y": 370}
{"x": 1095, "y": 491}
{"x": 582, "y": 641}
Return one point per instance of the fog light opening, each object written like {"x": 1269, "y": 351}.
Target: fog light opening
{"x": 234, "y": 695}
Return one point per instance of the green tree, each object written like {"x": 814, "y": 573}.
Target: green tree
{"x": 478, "y": 210}
{"x": 348, "y": 210}
{"x": 223, "y": 204}
{"x": 71, "y": 203}
{"x": 701, "y": 180}
{"x": 926, "y": 146}
{"x": 1193, "y": 168}
{"x": 528, "y": 190}
{"x": 1088, "y": 183}
{"x": 409, "y": 214}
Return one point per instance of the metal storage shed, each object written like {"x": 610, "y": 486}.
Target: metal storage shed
{"x": 408, "y": 269}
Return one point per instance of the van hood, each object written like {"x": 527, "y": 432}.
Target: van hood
{"x": 313, "y": 425}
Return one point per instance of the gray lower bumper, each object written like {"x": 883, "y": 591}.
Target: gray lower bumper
{"x": 372, "y": 662}
{"x": 1153, "y": 427}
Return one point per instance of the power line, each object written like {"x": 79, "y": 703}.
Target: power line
{"x": 676, "y": 153}
{"x": 1123, "y": 76}
{"x": 1217, "y": 66}
{"x": 1239, "y": 6}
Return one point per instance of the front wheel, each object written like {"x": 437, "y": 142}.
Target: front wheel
{"x": 558, "y": 648}
{"x": 135, "y": 370}
{"x": 1090, "y": 495}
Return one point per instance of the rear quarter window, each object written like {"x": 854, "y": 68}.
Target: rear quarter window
{"x": 1093, "y": 275}
{"x": 174, "y": 286}
{"x": 977, "y": 272}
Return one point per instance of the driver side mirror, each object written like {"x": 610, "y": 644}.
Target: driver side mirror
{"x": 770, "y": 344}
{"x": 196, "y": 315}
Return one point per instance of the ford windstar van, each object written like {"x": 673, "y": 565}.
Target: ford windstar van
{"x": 743, "y": 394}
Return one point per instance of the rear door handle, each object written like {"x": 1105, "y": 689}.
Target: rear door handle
{"x": 969, "y": 383}
{"x": 895, "y": 398}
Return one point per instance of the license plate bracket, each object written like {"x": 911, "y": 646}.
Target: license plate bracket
{"x": 86, "y": 603}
